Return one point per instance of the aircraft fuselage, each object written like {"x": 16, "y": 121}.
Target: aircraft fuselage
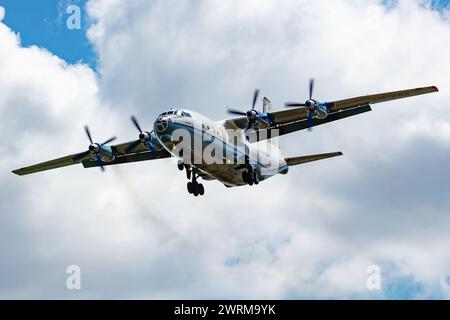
{"x": 207, "y": 146}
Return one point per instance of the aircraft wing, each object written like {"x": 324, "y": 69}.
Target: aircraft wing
{"x": 289, "y": 116}
{"x": 136, "y": 157}
{"x": 283, "y": 129}
{"x": 277, "y": 117}
{"x": 140, "y": 153}
{"x": 295, "y": 119}
{"x": 48, "y": 165}
{"x": 377, "y": 98}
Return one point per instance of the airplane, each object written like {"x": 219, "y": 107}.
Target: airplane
{"x": 243, "y": 162}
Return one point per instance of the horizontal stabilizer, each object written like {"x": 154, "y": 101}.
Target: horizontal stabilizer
{"x": 315, "y": 157}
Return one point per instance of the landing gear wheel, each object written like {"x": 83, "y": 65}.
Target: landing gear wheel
{"x": 193, "y": 187}
{"x": 180, "y": 165}
{"x": 255, "y": 178}
{"x": 195, "y": 190}
{"x": 247, "y": 178}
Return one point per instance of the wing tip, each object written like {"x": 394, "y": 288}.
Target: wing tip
{"x": 335, "y": 154}
{"x": 435, "y": 89}
{"x": 18, "y": 172}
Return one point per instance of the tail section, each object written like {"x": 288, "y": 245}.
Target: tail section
{"x": 315, "y": 157}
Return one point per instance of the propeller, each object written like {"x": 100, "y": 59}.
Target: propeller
{"x": 311, "y": 88}
{"x": 94, "y": 149}
{"x": 144, "y": 138}
{"x": 252, "y": 114}
{"x": 310, "y": 105}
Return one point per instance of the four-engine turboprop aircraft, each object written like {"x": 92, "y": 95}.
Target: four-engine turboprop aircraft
{"x": 231, "y": 150}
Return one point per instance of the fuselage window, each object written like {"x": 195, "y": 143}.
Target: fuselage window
{"x": 186, "y": 114}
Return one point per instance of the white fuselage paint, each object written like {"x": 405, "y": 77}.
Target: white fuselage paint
{"x": 269, "y": 159}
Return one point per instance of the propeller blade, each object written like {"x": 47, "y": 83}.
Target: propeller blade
{"x": 88, "y": 133}
{"x": 136, "y": 123}
{"x": 99, "y": 162}
{"x": 294, "y": 105}
{"x": 109, "y": 140}
{"x": 310, "y": 120}
{"x": 237, "y": 112}
{"x": 133, "y": 146}
{"x": 151, "y": 148}
{"x": 80, "y": 156}
{"x": 311, "y": 88}
{"x": 255, "y": 98}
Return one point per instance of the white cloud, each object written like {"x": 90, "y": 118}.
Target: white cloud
{"x": 137, "y": 233}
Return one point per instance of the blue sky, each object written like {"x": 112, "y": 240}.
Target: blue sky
{"x": 43, "y": 23}
{"x": 435, "y": 4}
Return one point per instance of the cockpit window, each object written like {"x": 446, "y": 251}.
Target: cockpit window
{"x": 177, "y": 112}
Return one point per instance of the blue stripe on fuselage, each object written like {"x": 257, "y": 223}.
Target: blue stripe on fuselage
{"x": 235, "y": 149}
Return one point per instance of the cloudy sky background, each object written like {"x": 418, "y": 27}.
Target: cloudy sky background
{"x": 136, "y": 233}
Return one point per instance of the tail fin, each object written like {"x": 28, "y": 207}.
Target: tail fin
{"x": 267, "y": 105}
{"x": 315, "y": 157}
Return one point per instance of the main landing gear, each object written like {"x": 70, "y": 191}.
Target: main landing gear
{"x": 250, "y": 177}
{"x": 193, "y": 187}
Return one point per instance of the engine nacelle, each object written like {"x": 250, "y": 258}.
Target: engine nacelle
{"x": 258, "y": 120}
{"x": 105, "y": 153}
{"x": 321, "y": 112}
{"x": 146, "y": 137}
{"x": 262, "y": 123}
